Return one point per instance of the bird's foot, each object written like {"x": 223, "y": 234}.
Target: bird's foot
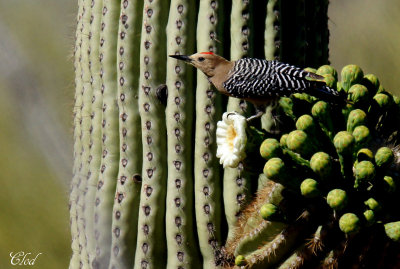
{"x": 256, "y": 116}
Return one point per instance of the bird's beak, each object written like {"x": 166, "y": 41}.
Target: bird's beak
{"x": 182, "y": 58}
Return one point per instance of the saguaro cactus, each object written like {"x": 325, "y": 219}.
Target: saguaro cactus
{"x": 148, "y": 190}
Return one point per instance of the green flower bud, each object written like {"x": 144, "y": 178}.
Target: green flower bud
{"x": 275, "y": 169}
{"x": 351, "y": 74}
{"x": 389, "y": 184}
{"x": 337, "y": 199}
{"x": 330, "y": 81}
{"x": 383, "y": 100}
{"x": 327, "y": 70}
{"x": 269, "y": 211}
{"x": 364, "y": 173}
{"x": 384, "y": 157}
{"x": 358, "y": 94}
{"x": 362, "y": 136}
{"x": 310, "y": 70}
{"x": 349, "y": 223}
{"x": 321, "y": 112}
{"x": 240, "y": 260}
{"x": 343, "y": 142}
{"x": 392, "y": 230}
{"x": 286, "y": 104}
{"x": 270, "y": 148}
{"x": 309, "y": 188}
{"x": 305, "y": 123}
{"x": 283, "y": 139}
{"x": 369, "y": 216}
{"x": 371, "y": 78}
{"x": 373, "y": 204}
{"x": 321, "y": 164}
{"x": 356, "y": 118}
{"x": 365, "y": 155}
{"x": 298, "y": 142}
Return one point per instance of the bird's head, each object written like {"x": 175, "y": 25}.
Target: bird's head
{"x": 205, "y": 61}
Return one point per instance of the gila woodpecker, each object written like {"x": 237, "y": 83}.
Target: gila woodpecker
{"x": 260, "y": 82}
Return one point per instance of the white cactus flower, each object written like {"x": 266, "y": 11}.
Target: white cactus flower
{"x": 231, "y": 139}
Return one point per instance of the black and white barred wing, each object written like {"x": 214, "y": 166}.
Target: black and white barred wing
{"x": 254, "y": 78}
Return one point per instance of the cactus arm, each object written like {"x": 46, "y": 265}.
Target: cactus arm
{"x": 126, "y": 206}
{"x": 183, "y": 251}
{"x": 271, "y": 34}
{"x": 110, "y": 148}
{"x": 150, "y": 250}
{"x": 236, "y": 181}
{"x": 74, "y": 191}
{"x": 95, "y": 125}
{"x": 207, "y": 179}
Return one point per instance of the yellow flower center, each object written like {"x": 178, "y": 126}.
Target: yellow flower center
{"x": 230, "y": 135}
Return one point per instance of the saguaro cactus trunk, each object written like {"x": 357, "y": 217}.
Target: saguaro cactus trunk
{"x": 148, "y": 190}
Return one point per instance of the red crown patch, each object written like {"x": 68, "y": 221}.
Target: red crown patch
{"x": 208, "y": 52}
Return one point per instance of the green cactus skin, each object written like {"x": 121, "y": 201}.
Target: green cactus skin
{"x": 77, "y": 113}
{"x": 309, "y": 188}
{"x": 110, "y": 136}
{"x": 392, "y": 230}
{"x": 182, "y": 248}
{"x": 206, "y": 170}
{"x": 337, "y": 199}
{"x": 321, "y": 164}
{"x": 344, "y": 144}
{"x": 382, "y": 100}
{"x": 349, "y": 223}
{"x": 321, "y": 111}
{"x": 236, "y": 180}
{"x": 356, "y": 118}
{"x": 126, "y": 205}
{"x": 327, "y": 70}
{"x": 330, "y": 81}
{"x": 270, "y": 148}
{"x": 364, "y": 172}
{"x": 351, "y": 74}
{"x": 384, "y": 157}
{"x": 272, "y": 31}
{"x": 95, "y": 127}
{"x": 151, "y": 244}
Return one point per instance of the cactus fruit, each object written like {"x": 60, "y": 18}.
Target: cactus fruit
{"x": 148, "y": 190}
{"x": 337, "y": 199}
{"x": 309, "y": 188}
{"x": 351, "y": 74}
{"x": 349, "y": 223}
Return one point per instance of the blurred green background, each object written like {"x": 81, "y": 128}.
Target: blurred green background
{"x": 36, "y": 99}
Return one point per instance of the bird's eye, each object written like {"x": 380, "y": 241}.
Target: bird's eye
{"x": 201, "y": 59}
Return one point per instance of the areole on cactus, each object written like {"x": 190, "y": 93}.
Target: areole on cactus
{"x": 313, "y": 185}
